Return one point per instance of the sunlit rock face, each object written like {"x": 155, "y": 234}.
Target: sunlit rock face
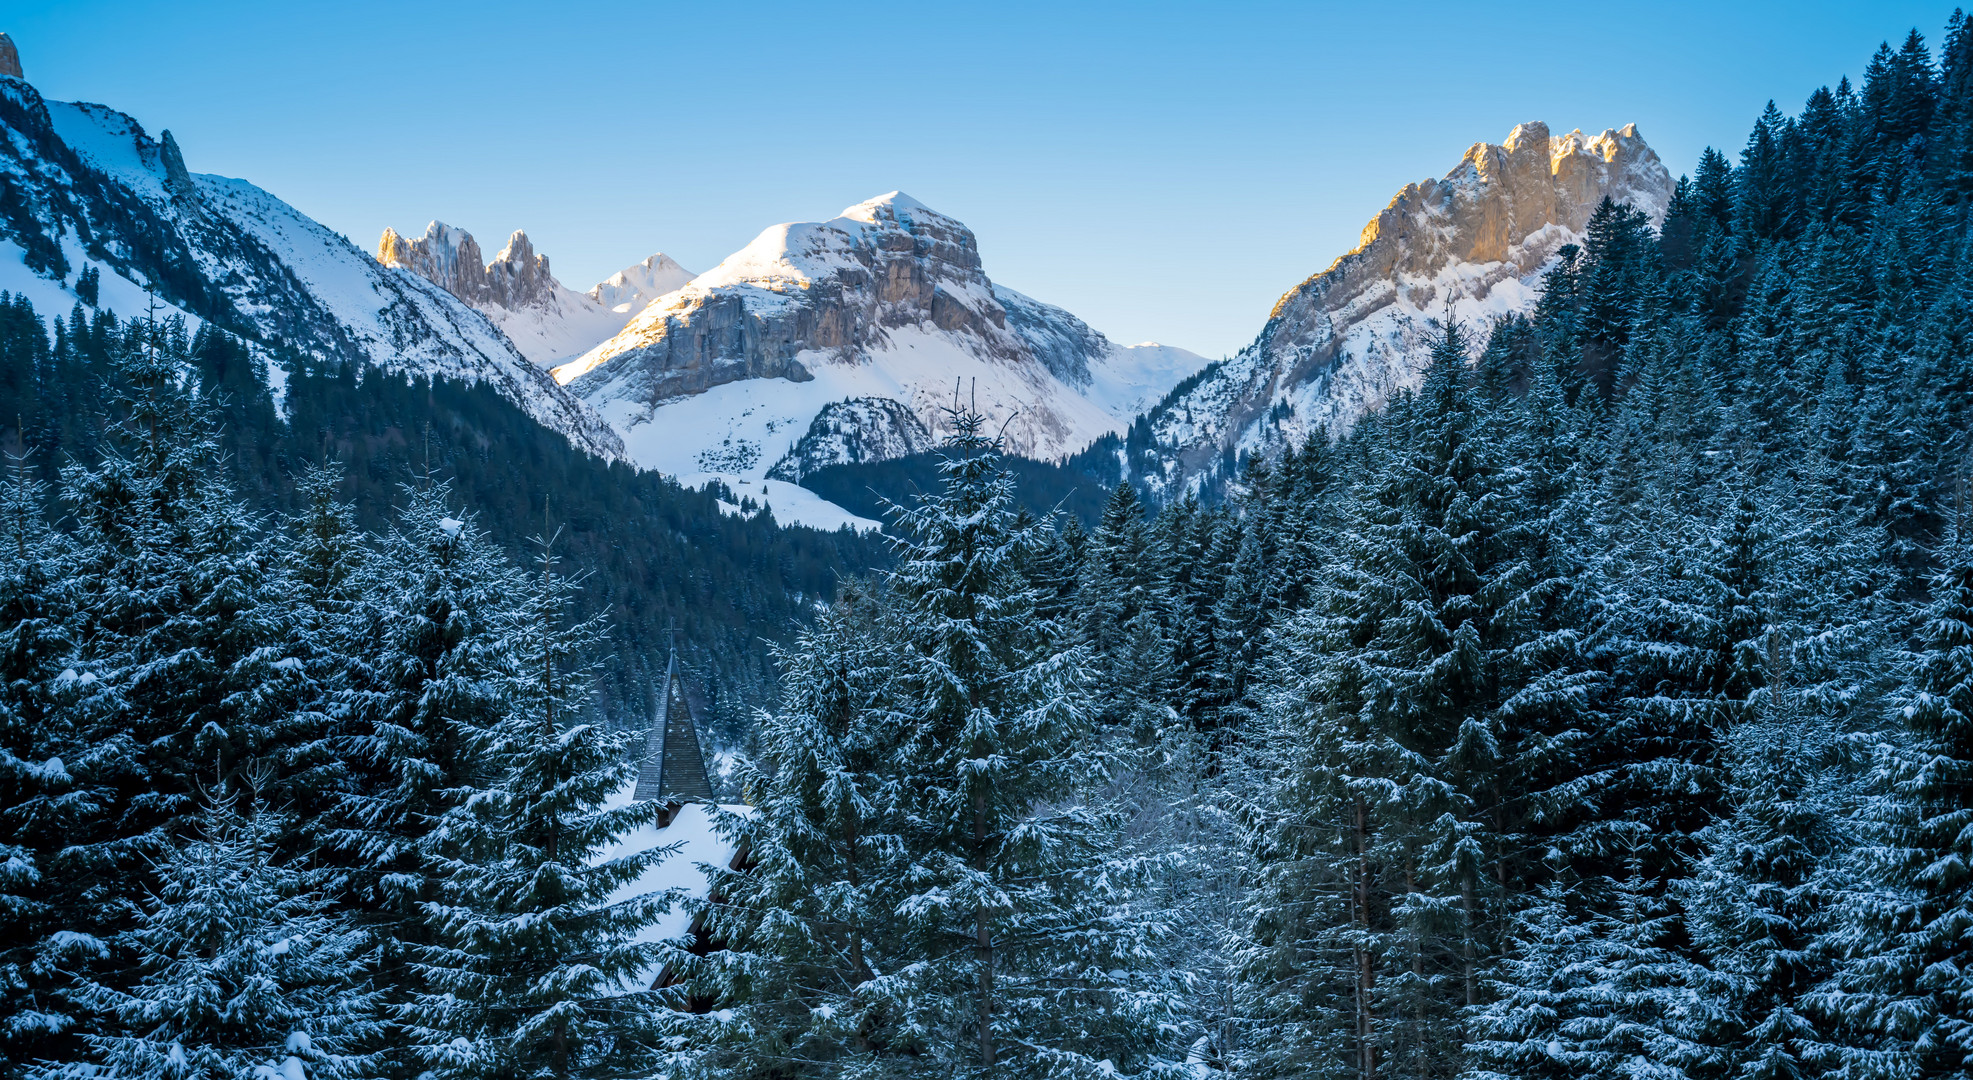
{"x": 819, "y": 287}
{"x": 1474, "y": 241}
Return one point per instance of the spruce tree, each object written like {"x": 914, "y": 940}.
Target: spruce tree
{"x": 245, "y": 969}
{"x": 36, "y": 732}
{"x": 932, "y": 795}
{"x": 526, "y": 968}
{"x": 810, "y": 922}
{"x": 1900, "y": 999}
{"x": 411, "y": 722}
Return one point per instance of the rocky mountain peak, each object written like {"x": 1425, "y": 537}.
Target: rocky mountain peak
{"x": 450, "y": 258}
{"x": 546, "y": 321}
{"x": 1342, "y": 342}
{"x": 10, "y": 58}
{"x": 518, "y": 278}
{"x": 817, "y": 290}
{"x": 445, "y": 256}
{"x": 177, "y": 180}
{"x": 826, "y": 342}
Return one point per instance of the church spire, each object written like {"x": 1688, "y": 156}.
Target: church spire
{"x": 674, "y": 765}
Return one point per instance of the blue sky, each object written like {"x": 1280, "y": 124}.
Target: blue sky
{"x": 1163, "y": 170}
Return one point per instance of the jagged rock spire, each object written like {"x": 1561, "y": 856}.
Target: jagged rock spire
{"x": 10, "y": 58}
{"x": 177, "y": 179}
{"x": 449, "y": 257}
{"x": 674, "y": 766}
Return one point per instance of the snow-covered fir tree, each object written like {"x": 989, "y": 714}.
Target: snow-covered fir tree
{"x": 425, "y": 688}
{"x": 36, "y": 607}
{"x": 530, "y": 967}
{"x": 969, "y": 909}
{"x": 244, "y": 969}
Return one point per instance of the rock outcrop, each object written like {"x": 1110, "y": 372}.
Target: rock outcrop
{"x": 811, "y": 287}
{"x": 1345, "y": 340}
{"x": 846, "y": 432}
{"x": 450, "y": 258}
{"x": 10, "y": 58}
{"x": 886, "y": 302}
{"x": 177, "y": 179}
{"x": 445, "y": 256}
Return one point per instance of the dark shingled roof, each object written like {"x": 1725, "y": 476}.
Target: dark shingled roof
{"x": 674, "y": 766}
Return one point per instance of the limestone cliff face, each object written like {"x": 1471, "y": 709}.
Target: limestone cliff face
{"x": 450, "y": 258}
{"x": 1343, "y": 341}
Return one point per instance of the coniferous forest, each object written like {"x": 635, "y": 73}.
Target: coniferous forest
{"x": 1602, "y": 708}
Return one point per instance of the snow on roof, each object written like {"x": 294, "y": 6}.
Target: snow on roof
{"x": 683, "y": 873}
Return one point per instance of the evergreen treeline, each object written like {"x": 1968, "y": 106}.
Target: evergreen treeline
{"x": 661, "y": 558}
{"x": 1599, "y": 709}
{"x": 297, "y": 800}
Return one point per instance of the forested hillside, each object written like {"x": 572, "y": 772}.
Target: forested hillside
{"x": 1600, "y": 709}
{"x": 658, "y": 557}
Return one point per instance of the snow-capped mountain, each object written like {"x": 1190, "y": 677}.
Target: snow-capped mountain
{"x": 1342, "y": 342}
{"x": 547, "y": 321}
{"x": 631, "y": 290}
{"x": 86, "y": 185}
{"x": 844, "y": 340}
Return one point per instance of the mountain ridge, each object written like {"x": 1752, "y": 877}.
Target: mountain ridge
{"x": 844, "y": 341}
{"x": 89, "y": 188}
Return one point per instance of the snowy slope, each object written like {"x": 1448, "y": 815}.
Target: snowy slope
{"x": 726, "y": 377}
{"x": 92, "y": 187}
{"x": 563, "y": 326}
{"x": 697, "y": 845}
{"x": 631, "y": 290}
{"x": 1344, "y": 341}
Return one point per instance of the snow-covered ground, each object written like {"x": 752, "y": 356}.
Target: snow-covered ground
{"x": 697, "y": 846}
{"x": 563, "y": 327}
{"x": 633, "y": 288}
{"x": 56, "y": 299}
{"x": 737, "y": 431}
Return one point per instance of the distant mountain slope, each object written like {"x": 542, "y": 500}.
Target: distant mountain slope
{"x": 84, "y": 185}
{"x": 843, "y": 341}
{"x": 1342, "y": 342}
{"x": 547, "y": 321}
{"x": 631, "y": 290}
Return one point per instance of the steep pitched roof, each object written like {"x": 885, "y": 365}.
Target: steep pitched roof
{"x": 674, "y": 765}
